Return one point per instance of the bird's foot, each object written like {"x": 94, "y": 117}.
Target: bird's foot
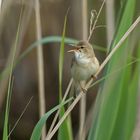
{"x": 94, "y": 77}
{"x": 84, "y": 90}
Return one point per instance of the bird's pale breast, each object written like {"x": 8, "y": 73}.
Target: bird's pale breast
{"x": 83, "y": 71}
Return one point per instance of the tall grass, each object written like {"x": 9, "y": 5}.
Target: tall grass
{"x": 10, "y": 82}
{"x": 65, "y": 131}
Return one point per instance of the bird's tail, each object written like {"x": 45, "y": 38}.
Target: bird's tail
{"x": 76, "y": 88}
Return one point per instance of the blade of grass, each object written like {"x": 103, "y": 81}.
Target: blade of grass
{"x": 130, "y": 116}
{"x": 45, "y": 40}
{"x": 136, "y": 134}
{"x": 122, "y": 107}
{"x": 65, "y": 131}
{"x": 7, "y": 109}
{"x": 36, "y": 134}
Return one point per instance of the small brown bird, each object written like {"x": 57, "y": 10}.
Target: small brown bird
{"x": 84, "y": 64}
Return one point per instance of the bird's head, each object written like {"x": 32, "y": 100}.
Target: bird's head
{"x": 82, "y": 49}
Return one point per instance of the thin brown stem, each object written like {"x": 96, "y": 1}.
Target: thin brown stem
{"x": 82, "y": 115}
{"x": 110, "y": 21}
{"x": 20, "y": 117}
{"x": 100, "y": 26}
{"x": 94, "y": 25}
{"x": 57, "y": 114}
{"x": 40, "y": 65}
{"x": 0, "y": 5}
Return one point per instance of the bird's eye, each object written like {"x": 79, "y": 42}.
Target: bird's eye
{"x": 82, "y": 47}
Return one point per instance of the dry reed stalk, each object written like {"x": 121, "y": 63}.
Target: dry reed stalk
{"x": 82, "y": 115}
{"x": 110, "y": 21}
{"x": 0, "y": 5}
{"x": 16, "y": 123}
{"x": 95, "y": 22}
{"x": 57, "y": 114}
{"x": 40, "y": 66}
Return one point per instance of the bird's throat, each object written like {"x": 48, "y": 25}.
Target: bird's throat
{"x": 83, "y": 60}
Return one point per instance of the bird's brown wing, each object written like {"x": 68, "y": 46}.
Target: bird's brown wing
{"x": 73, "y": 60}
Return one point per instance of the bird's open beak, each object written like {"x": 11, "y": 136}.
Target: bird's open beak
{"x": 74, "y": 48}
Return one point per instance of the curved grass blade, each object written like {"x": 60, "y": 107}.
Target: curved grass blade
{"x": 10, "y": 82}
{"x": 54, "y": 39}
{"x": 46, "y": 40}
{"x": 36, "y": 134}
